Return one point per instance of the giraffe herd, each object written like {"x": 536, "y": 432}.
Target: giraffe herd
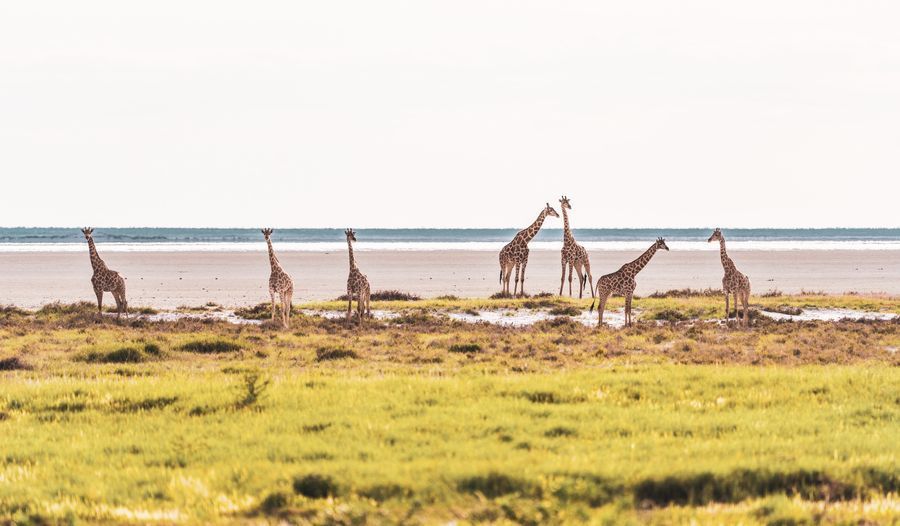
{"x": 513, "y": 256}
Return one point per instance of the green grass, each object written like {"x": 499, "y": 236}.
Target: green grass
{"x": 428, "y": 420}
{"x": 620, "y": 436}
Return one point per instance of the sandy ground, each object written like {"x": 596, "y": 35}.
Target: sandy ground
{"x": 169, "y": 280}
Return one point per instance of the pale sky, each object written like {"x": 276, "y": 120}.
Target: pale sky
{"x": 449, "y": 114}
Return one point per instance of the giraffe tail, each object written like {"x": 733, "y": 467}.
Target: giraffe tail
{"x": 501, "y": 274}
{"x": 592, "y": 306}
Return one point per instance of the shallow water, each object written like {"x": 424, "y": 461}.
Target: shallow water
{"x": 513, "y": 317}
{"x": 816, "y": 314}
{"x": 526, "y": 317}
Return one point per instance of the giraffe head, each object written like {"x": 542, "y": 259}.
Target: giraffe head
{"x": 267, "y": 233}
{"x": 550, "y": 211}
{"x": 564, "y": 203}
{"x": 351, "y": 235}
{"x": 661, "y": 243}
{"x": 716, "y": 236}
{"x": 87, "y": 231}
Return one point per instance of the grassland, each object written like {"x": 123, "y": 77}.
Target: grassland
{"x": 424, "y": 420}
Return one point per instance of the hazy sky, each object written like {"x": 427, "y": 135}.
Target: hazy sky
{"x": 462, "y": 113}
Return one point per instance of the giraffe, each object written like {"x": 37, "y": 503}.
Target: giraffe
{"x": 573, "y": 255}
{"x": 734, "y": 282}
{"x": 104, "y": 279}
{"x": 280, "y": 283}
{"x": 515, "y": 253}
{"x": 356, "y": 283}
{"x": 621, "y": 282}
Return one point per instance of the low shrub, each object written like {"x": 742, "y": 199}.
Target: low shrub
{"x": 465, "y": 348}
{"x": 210, "y": 346}
{"x": 324, "y": 354}
{"x": 273, "y": 503}
{"x": 315, "y": 486}
{"x": 124, "y": 355}
{"x": 565, "y": 310}
{"x": 13, "y": 363}
{"x": 387, "y": 295}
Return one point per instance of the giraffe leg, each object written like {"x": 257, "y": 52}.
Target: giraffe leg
{"x": 562, "y": 279}
{"x": 590, "y": 277}
{"x": 580, "y": 282}
{"x": 745, "y": 299}
{"x": 516, "y": 282}
{"x": 507, "y": 272}
{"x": 349, "y": 305}
{"x": 736, "y": 310}
{"x": 601, "y": 307}
{"x": 272, "y": 295}
{"x": 571, "y": 267}
{"x": 522, "y": 284}
{"x": 727, "y": 308}
{"x": 99, "y": 292}
{"x": 628, "y": 310}
{"x": 120, "y": 304}
{"x": 286, "y": 308}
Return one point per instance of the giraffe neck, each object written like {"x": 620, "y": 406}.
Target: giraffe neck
{"x": 726, "y": 261}
{"x": 96, "y": 262}
{"x": 350, "y": 250}
{"x": 638, "y": 264}
{"x": 273, "y": 259}
{"x": 531, "y": 231}
{"x": 567, "y": 232}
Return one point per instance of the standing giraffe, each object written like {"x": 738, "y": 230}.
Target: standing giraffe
{"x": 734, "y": 282}
{"x": 356, "y": 283}
{"x": 104, "y": 279}
{"x": 621, "y": 282}
{"x": 515, "y": 253}
{"x": 573, "y": 255}
{"x": 280, "y": 283}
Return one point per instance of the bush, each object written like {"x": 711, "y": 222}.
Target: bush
{"x": 565, "y": 310}
{"x": 260, "y": 311}
{"x": 560, "y": 431}
{"x": 669, "y": 315}
{"x": 387, "y": 295}
{"x": 702, "y": 488}
{"x": 210, "y": 346}
{"x": 465, "y": 347}
{"x": 315, "y": 486}
{"x": 13, "y": 363}
{"x": 325, "y": 353}
{"x": 273, "y": 502}
{"x": 123, "y": 355}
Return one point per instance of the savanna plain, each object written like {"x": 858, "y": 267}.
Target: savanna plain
{"x": 422, "y": 419}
